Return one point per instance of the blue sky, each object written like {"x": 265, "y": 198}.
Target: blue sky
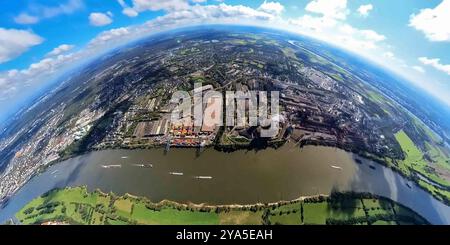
{"x": 39, "y": 40}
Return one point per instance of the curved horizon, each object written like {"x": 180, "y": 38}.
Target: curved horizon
{"x": 78, "y": 66}
{"x": 280, "y": 16}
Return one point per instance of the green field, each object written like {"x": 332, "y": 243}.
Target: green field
{"x": 415, "y": 161}
{"x": 241, "y": 218}
{"x": 286, "y": 219}
{"x": 78, "y": 206}
{"x": 413, "y": 154}
{"x": 76, "y": 203}
{"x": 167, "y": 215}
{"x": 319, "y": 213}
{"x": 383, "y": 222}
{"x": 377, "y": 207}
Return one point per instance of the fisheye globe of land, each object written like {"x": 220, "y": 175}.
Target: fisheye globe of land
{"x": 328, "y": 99}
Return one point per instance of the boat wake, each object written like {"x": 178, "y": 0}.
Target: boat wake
{"x": 112, "y": 166}
{"x": 147, "y": 165}
{"x": 176, "y": 173}
{"x": 203, "y": 177}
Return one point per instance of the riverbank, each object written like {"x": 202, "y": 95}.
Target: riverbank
{"x": 79, "y": 206}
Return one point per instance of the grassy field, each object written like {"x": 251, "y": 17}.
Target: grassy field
{"x": 318, "y": 213}
{"x": 415, "y": 157}
{"x": 286, "y": 219}
{"x": 415, "y": 161}
{"x": 377, "y": 207}
{"x": 168, "y": 215}
{"x": 241, "y": 218}
{"x": 76, "y": 203}
{"x": 383, "y": 222}
{"x": 315, "y": 213}
{"x": 78, "y": 206}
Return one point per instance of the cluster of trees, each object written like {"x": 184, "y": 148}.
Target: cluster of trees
{"x": 349, "y": 221}
{"x": 252, "y": 208}
{"x": 47, "y": 207}
{"x": 230, "y": 147}
{"x": 265, "y": 217}
{"x": 85, "y": 211}
{"x": 338, "y": 195}
{"x": 286, "y": 212}
{"x": 315, "y": 199}
{"x": 373, "y": 218}
{"x": 28, "y": 210}
{"x": 48, "y": 193}
{"x": 255, "y": 144}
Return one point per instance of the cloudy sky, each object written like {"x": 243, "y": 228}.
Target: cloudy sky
{"x": 41, "y": 39}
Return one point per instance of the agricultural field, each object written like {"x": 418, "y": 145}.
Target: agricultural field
{"x": 79, "y": 206}
{"x": 241, "y": 218}
{"x": 431, "y": 164}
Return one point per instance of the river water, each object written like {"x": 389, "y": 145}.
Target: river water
{"x": 241, "y": 177}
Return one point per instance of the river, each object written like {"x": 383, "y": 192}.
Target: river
{"x": 241, "y": 177}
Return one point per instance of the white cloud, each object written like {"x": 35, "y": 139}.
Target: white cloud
{"x": 126, "y": 10}
{"x": 14, "y": 42}
{"x": 317, "y": 24}
{"x": 389, "y": 55}
{"x": 436, "y": 64}
{"x": 221, "y": 13}
{"x": 336, "y": 9}
{"x": 25, "y": 18}
{"x": 109, "y": 35}
{"x": 155, "y": 5}
{"x": 274, "y": 8}
{"x": 418, "y": 69}
{"x": 138, "y": 6}
{"x": 182, "y": 7}
{"x": 63, "y": 48}
{"x": 372, "y": 35}
{"x": 194, "y": 15}
{"x": 331, "y": 26}
{"x": 364, "y": 10}
{"x": 61, "y": 58}
{"x": 14, "y": 83}
{"x": 360, "y": 38}
{"x": 325, "y": 23}
{"x": 44, "y": 67}
{"x": 433, "y": 22}
{"x": 36, "y": 12}
{"x": 100, "y": 19}
{"x": 130, "y": 12}
{"x": 390, "y": 58}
